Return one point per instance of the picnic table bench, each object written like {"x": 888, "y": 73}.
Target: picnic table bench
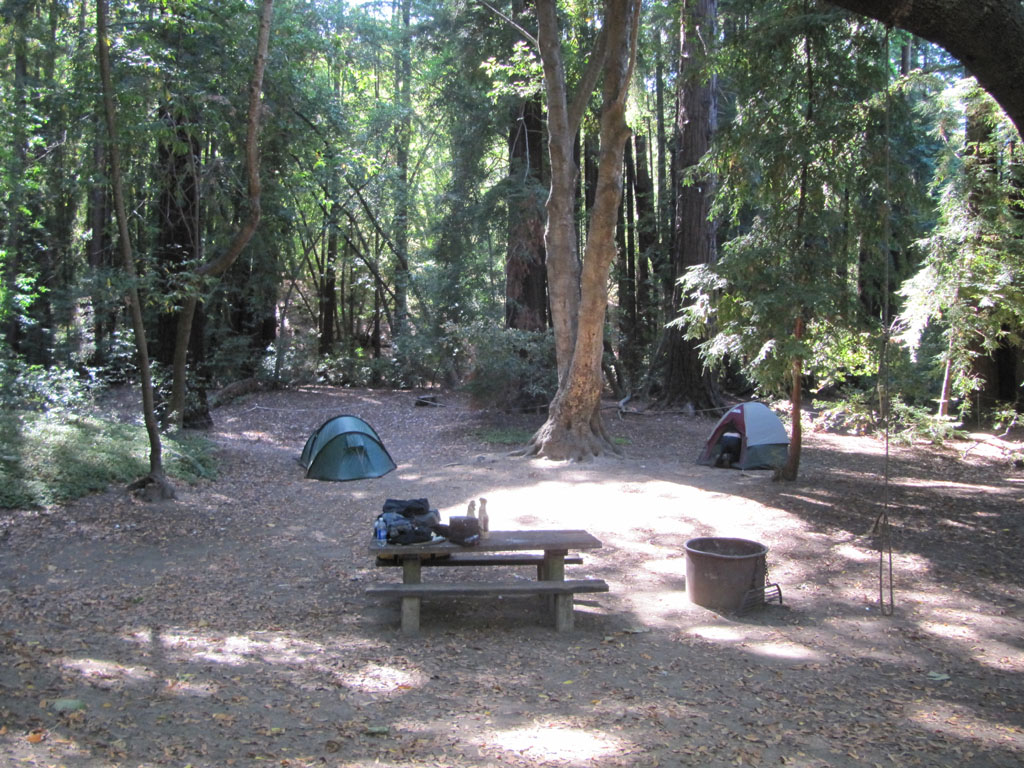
{"x": 547, "y": 549}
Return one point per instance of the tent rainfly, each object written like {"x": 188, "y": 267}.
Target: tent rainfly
{"x": 753, "y": 436}
{"x": 345, "y": 448}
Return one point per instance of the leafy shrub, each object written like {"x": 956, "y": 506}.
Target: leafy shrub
{"x": 358, "y": 370}
{"x": 120, "y": 357}
{"x": 913, "y": 422}
{"x": 36, "y": 388}
{"x": 292, "y": 359}
{"x": 856, "y": 413}
{"x": 510, "y": 368}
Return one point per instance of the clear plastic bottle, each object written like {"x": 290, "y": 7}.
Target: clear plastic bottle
{"x": 380, "y": 532}
{"x": 485, "y": 519}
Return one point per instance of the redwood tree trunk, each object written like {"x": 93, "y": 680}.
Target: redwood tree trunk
{"x": 684, "y": 377}
{"x": 646, "y": 243}
{"x": 526, "y": 295}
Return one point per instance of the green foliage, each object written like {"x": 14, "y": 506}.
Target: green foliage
{"x": 33, "y": 387}
{"x": 910, "y": 423}
{"x": 807, "y": 195}
{"x": 383, "y": 188}
{"x": 511, "y": 368}
{"x": 855, "y": 413}
{"x": 1005, "y": 419}
{"x": 47, "y": 458}
{"x": 520, "y": 74}
{"x": 858, "y": 413}
{"x": 17, "y": 298}
{"x": 969, "y": 285}
{"x": 359, "y": 370}
{"x": 291, "y": 360}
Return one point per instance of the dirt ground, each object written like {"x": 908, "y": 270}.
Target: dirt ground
{"x": 230, "y": 627}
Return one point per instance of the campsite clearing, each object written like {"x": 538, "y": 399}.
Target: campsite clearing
{"x": 231, "y": 627}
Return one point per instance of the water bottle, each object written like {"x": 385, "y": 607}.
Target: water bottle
{"x": 380, "y": 532}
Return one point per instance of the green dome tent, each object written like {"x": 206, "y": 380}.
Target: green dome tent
{"x": 345, "y": 448}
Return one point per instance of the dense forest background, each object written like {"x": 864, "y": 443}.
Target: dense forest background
{"x": 809, "y": 197}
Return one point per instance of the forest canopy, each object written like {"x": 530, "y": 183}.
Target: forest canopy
{"x": 813, "y": 202}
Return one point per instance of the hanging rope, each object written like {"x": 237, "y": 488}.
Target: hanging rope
{"x": 886, "y": 586}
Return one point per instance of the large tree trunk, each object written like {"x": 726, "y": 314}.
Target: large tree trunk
{"x": 684, "y": 377}
{"x": 526, "y": 295}
{"x": 178, "y": 220}
{"x": 631, "y": 347}
{"x": 560, "y": 234}
{"x": 574, "y": 429}
{"x": 15, "y": 203}
{"x": 987, "y": 36}
{"x": 646, "y": 243}
{"x": 100, "y": 255}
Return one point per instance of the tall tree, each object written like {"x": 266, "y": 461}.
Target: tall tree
{"x": 221, "y": 263}
{"x": 526, "y": 296}
{"x": 403, "y": 143}
{"x": 781, "y": 289}
{"x": 968, "y": 288}
{"x": 685, "y": 378}
{"x": 157, "y": 477}
{"x": 579, "y": 297}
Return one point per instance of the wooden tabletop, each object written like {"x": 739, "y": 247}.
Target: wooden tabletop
{"x": 497, "y": 541}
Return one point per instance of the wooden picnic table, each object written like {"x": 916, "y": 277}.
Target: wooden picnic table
{"x": 548, "y": 549}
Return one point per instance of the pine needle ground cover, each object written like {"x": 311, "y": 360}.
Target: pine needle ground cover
{"x": 231, "y": 626}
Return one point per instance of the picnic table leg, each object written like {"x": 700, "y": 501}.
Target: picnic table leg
{"x": 411, "y": 574}
{"x": 563, "y": 612}
{"x": 553, "y": 569}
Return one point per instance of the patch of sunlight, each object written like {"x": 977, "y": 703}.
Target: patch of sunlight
{"x": 999, "y": 655}
{"x": 106, "y": 674}
{"x": 184, "y": 685}
{"x": 232, "y": 650}
{"x": 380, "y": 678}
{"x": 947, "y": 484}
{"x": 726, "y": 634}
{"x": 785, "y": 650}
{"x": 554, "y": 741}
{"x": 808, "y": 500}
{"x": 955, "y": 625}
{"x": 255, "y": 436}
{"x": 674, "y": 566}
{"x": 851, "y": 552}
{"x": 960, "y": 722}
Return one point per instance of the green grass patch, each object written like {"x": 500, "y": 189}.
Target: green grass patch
{"x": 504, "y": 435}
{"x": 47, "y": 459}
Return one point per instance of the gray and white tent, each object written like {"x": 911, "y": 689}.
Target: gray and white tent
{"x": 752, "y": 433}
